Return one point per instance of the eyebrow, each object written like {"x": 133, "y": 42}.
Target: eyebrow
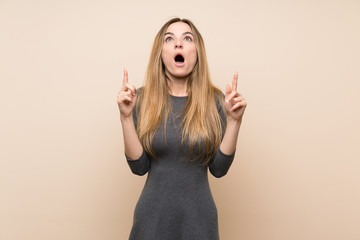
{"x": 170, "y": 33}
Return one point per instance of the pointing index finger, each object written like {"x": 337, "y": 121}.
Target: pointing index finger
{"x": 125, "y": 77}
{"x": 234, "y": 83}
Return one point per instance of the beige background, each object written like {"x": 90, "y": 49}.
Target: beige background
{"x": 63, "y": 174}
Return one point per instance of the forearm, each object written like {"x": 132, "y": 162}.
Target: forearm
{"x": 133, "y": 147}
{"x": 228, "y": 144}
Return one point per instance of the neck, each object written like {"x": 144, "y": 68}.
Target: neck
{"x": 178, "y": 86}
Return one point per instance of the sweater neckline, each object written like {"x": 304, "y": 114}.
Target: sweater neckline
{"x": 181, "y": 97}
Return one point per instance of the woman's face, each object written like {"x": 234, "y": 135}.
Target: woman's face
{"x": 179, "y": 51}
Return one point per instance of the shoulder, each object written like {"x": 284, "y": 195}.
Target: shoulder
{"x": 136, "y": 109}
{"x": 139, "y": 90}
{"x": 139, "y": 93}
{"x": 219, "y": 98}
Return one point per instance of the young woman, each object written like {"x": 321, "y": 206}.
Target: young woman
{"x": 176, "y": 127}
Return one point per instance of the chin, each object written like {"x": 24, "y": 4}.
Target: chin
{"x": 179, "y": 74}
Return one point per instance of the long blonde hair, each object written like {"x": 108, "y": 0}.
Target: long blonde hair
{"x": 202, "y": 126}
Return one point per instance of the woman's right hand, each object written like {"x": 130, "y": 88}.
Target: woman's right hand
{"x": 126, "y": 98}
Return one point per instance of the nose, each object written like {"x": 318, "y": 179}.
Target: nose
{"x": 178, "y": 44}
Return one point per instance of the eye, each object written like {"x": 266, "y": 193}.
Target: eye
{"x": 168, "y": 39}
{"x": 187, "y": 38}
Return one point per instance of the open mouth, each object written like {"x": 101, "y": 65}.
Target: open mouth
{"x": 179, "y": 58}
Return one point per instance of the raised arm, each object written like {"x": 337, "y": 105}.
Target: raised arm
{"x": 138, "y": 160}
{"x": 235, "y": 105}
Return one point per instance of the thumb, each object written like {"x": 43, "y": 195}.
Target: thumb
{"x": 134, "y": 97}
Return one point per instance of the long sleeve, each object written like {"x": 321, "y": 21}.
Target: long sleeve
{"x": 141, "y": 165}
{"x": 221, "y": 162}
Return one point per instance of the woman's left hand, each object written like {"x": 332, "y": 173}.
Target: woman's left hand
{"x": 235, "y": 103}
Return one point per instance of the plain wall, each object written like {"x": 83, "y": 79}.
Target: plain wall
{"x": 296, "y": 174}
